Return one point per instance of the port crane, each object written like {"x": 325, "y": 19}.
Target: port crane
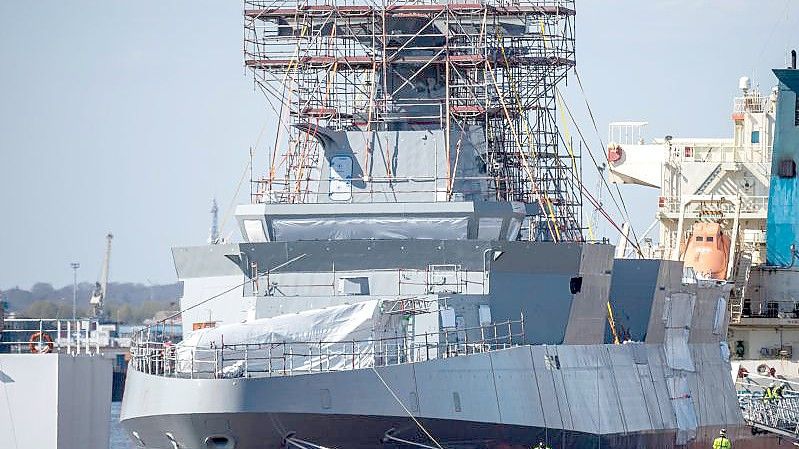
{"x": 101, "y": 287}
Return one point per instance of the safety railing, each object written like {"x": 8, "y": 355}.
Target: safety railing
{"x": 754, "y": 103}
{"x": 768, "y": 404}
{"x": 34, "y": 335}
{"x": 287, "y": 358}
{"x": 749, "y": 204}
{"x": 775, "y": 415}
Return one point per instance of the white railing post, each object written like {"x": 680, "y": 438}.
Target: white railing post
{"x": 69, "y": 337}
{"x": 246, "y": 362}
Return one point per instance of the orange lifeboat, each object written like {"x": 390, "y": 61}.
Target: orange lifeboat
{"x": 707, "y": 251}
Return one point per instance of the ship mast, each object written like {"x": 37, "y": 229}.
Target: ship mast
{"x": 480, "y": 77}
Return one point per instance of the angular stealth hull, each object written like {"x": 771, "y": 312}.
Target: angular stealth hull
{"x": 594, "y": 396}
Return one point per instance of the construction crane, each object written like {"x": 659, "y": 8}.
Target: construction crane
{"x": 213, "y": 237}
{"x": 101, "y": 287}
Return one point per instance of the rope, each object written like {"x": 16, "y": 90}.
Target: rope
{"x": 406, "y": 409}
{"x": 552, "y": 224}
{"x": 623, "y": 206}
{"x": 597, "y": 204}
{"x": 10, "y": 412}
{"x": 231, "y": 207}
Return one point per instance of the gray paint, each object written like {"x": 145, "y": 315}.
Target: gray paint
{"x": 632, "y": 292}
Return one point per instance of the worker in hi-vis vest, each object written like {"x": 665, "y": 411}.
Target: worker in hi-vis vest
{"x": 722, "y": 442}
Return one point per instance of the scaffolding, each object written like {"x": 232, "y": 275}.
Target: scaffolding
{"x": 364, "y": 66}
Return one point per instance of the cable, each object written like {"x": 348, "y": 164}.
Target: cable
{"x": 10, "y": 412}
{"x": 406, "y": 409}
{"x": 179, "y": 312}
{"x": 599, "y": 137}
{"x": 232, "y": 205}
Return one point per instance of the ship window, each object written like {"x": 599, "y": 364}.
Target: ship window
{"x": 689, "y": 152}
{"x": 353, "y": 286}
{"x": 341, "y": 178}
{"x": 255, "y": 231}
{"x": 796, "y": 113}
{"x": 786, "y": 169}
{"x": 710, "y": 239}
{"x": 755, "y": 136}
{"x": 700, "y": 239}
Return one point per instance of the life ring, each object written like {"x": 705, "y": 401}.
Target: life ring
{"x": 38, "y": 337}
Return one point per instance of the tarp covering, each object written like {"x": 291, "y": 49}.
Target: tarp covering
{"x": 680, "y": 396}
{"x": 313, "y": 340}
{"x": 677, "y": 313}
{"x": 343, "y": 228}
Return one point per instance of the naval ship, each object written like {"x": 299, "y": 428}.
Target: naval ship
{"x": 413, "y": 271}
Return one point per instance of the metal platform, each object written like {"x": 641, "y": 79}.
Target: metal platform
{"x": 779, "y": 417}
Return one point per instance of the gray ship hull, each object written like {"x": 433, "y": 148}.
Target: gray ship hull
{"x": 572, "y": 396}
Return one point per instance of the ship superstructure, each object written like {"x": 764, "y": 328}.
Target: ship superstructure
{"x": 722, "y": 185}
{"x": 704, "y": 180}
{"x": 413, "y": 271}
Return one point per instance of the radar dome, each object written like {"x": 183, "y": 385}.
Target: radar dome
{"x": 744, "y": 83}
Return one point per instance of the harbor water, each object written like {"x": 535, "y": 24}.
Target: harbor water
{"x": 119, "y": 440}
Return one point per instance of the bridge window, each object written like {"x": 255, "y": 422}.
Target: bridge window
{"x": 796, "y": 113}
{"x": 700, "y": 239}
{"x": 353, "y": 285}
{"x": 710, "y": 239}
{"x": 755, "y": 136}
{"x": 786, "y": 169}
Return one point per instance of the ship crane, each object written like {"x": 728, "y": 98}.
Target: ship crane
{"x": 101, "y": 288}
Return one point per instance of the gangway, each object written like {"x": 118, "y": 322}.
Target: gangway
{"x": 779, "y": 417}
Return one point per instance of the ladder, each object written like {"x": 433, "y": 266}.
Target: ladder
{"x": 741, "y": 279}
{"x": 709, "y": 180}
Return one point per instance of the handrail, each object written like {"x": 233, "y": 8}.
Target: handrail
{"x": 286, "y": 358}
{"x": 67, "y": 335}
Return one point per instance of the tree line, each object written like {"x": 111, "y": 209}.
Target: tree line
{"x": 125, "y": 302}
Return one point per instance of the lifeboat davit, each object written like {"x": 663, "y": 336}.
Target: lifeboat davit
{"x": 708, "y": 251}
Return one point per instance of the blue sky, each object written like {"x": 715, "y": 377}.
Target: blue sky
{"x": 130, "y": 116}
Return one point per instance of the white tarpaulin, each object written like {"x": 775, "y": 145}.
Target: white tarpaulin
{"x": 319, "y": 339}
{"x": 683, "y": 405}
{"x": 355, "y": 228}
{"x": 677, "y": 314}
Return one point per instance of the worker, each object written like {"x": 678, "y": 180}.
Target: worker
{"x": 722, "y": 442}
{"x": 769, "y": 394}
{"x": 778, "y": 391}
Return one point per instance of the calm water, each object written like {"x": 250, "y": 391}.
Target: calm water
{"x": 119, "y": 439}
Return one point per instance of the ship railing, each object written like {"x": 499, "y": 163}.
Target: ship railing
{"x": 416, "y": 188}
{"x": 754, "y": 103}
{"x": 287, "y": 358}
{"x": 43, "y": 335}
{"x": 714, "y": 153}
{"x": 780, "y": 415}
{"x": 749, "y": 204}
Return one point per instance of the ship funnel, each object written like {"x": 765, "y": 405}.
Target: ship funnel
{"x": 793, "y": 59}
